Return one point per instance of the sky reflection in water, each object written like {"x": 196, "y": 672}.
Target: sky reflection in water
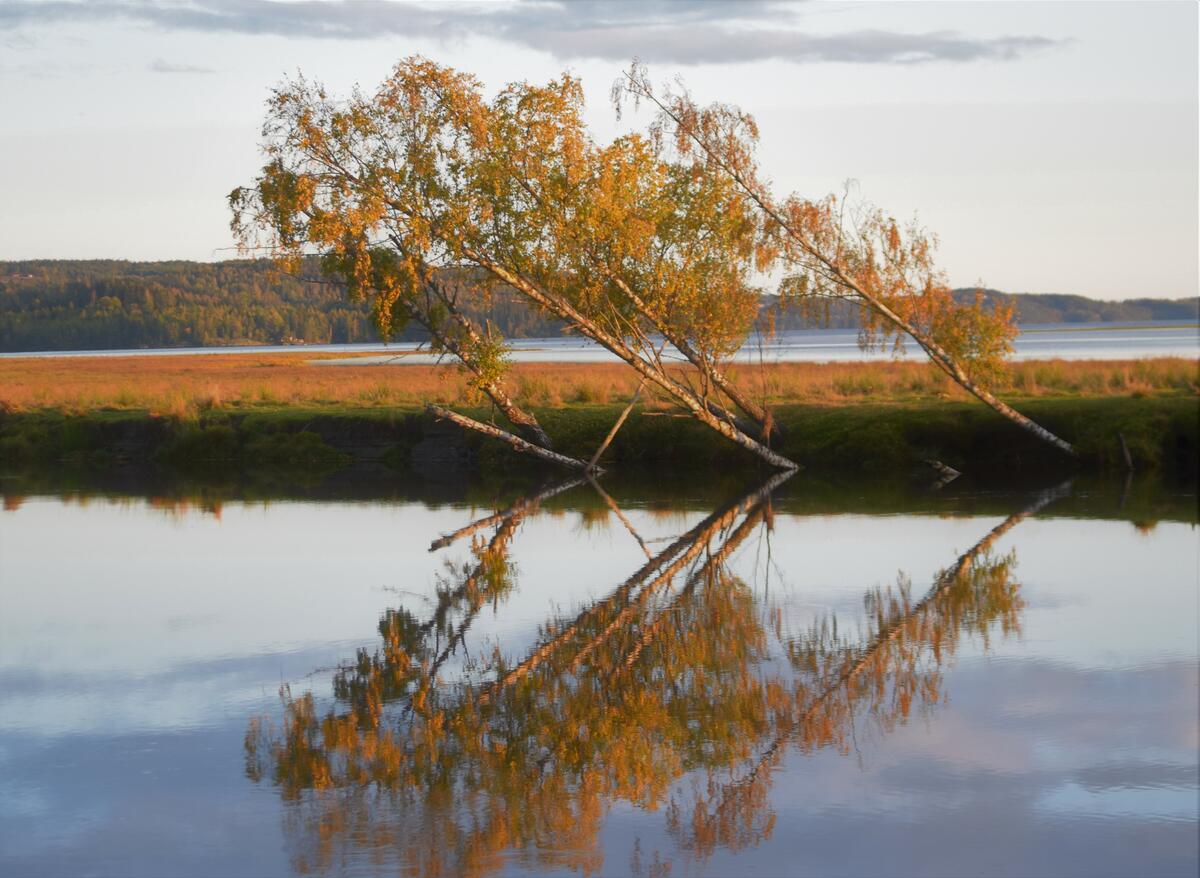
{"x": 809, "y": 691}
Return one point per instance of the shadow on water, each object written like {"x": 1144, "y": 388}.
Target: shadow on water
{"x": 678, "y": 691}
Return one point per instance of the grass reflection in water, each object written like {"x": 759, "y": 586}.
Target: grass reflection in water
{"x": 678, "y": 671}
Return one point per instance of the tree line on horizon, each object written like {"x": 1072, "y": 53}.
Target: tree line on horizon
{"x": 115, "y": 304}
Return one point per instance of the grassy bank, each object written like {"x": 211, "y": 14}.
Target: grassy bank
{"x": 188, "y": 386}
{"x": 871, "y": 437}
{"x": 292, "y": 413}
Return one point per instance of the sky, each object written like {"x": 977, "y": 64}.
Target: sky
{"x": 1051, "y": 146}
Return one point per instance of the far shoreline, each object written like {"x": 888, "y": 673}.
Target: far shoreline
{"x": 814, "y": 345}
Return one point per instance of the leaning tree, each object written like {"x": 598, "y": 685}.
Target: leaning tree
{"x": 343, "y": 180}
{"x": 426, "y": 179}
{"x": 832, "y": 250}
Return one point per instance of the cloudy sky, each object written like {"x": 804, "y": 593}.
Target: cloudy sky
{"x": 1052, "y": 146}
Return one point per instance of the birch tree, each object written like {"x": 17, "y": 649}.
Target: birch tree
{"x": 830, "y": 249}
{"x": 366, "y": 184}
{"x": 642, "y": 246}
{"x": 426, "y": 175}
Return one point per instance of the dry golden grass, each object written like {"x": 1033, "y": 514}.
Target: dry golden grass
{"x": 185, "y": 385}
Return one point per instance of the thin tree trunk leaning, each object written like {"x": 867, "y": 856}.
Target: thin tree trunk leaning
{"x": 950, "y": 366}
{"x": 525, "y": 424}
{"x": 516, "y": 442}
{"x": 940, "y": 357}
{"x": 751, "y": 409}
{"x": 689, "y": 400}
{"x": 935, "y": 352}
{"x": 617, "y": 426}
{"x": 763, "y": 423}
{"x": 564, "y": 310}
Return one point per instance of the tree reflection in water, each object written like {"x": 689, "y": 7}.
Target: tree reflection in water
{"x": 674, "y": 673}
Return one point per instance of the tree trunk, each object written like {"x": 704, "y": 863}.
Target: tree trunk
{"x": 940, "y": 357}
{"x": 763, "y": 423}
{"x": 950, "y": 366}
{"x": 525, "y": 424}
{"x": 697, "y": 407}
{"x": 761, "y": 198}
{"x": 612, "y": 433}
{"x": 515, "y": 441}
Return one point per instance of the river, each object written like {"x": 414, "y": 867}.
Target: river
{"x": 384, "y": 675}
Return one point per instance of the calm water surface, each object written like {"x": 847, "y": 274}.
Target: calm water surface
{"x": 788, "y": 679}
{"x": 1066, "y": 341}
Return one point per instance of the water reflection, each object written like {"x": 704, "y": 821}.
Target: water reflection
{"x": 442, "y": 760}
{"x": 135, "y": 642}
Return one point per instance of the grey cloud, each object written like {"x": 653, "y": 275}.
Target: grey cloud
{"x": 158, "y": 65}
{"x": 683, "y": 32}
{"x": 717, "y": 44}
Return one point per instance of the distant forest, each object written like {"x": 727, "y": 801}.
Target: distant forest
{"x": 103, "y": 304}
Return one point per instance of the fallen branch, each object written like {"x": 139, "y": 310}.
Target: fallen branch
{"x": 516, "y": 442}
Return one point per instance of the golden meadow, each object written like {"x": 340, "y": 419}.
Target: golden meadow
{"x": 182, "y": 386}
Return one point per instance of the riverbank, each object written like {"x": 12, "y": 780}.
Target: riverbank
{"x": 881, "y": 437}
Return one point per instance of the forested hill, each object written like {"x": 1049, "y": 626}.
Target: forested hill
{"x": 93, "y": 305}
{"x": 1061, "y": 308}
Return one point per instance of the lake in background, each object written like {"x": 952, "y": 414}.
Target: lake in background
{"x": 1068, "y": 341}
{"x": 819, "y": 679}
